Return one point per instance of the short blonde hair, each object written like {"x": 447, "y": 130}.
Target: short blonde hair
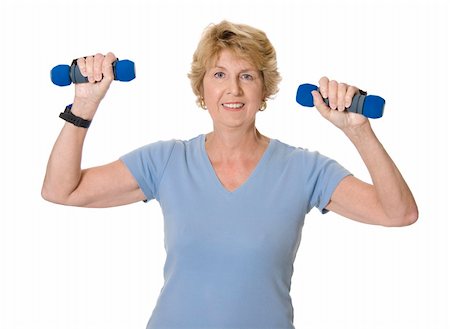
{"x": 245, "y": 41}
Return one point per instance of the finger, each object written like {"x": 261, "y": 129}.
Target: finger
{"x": 333, "y": 94}
{"x": 342, "y": 91}
{"x": 98, "y": 63}
{"x": 107, "y": 66}
{"x": 81, "y": 63}
{"x": 351, "y": 92}
{"x": 323, "y": 86}
{"x": 320, "y": 105}
{"x": 90, "y": 68}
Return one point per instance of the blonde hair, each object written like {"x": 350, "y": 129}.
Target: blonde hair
{"x": 246, "y": 42}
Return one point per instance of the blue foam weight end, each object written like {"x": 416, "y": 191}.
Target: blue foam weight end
{"x": 60, "y": 75}
{"x": 125, "y": 70}
{"x": 304, "y": 96}
{"x": 373, "y": 107}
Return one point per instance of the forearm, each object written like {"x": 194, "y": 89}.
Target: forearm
{"x": 64, "y": 165}
{"x": 392, "y": 192}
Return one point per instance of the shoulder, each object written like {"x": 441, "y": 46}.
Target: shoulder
{"x": 288, "y": 152}
{"x": 303, "y": 161}
{"x": 161, "y": 145}
{"x": 166, "y": 146}
{"x": 163, "y": 150}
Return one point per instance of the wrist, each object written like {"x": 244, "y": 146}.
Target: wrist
{"x": 364, "y": 140}
{"x": 362, "y": 137}
{"x": 84, "y": 109}
{"x": 359, "y": 132}
{"x": 77, "y": 121}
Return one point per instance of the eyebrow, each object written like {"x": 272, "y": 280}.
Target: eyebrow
{"x": 244, "y": 70}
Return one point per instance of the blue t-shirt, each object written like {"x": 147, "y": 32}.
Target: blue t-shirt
{"x": 230, "y": 254}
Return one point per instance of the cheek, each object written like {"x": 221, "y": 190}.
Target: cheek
{"x": 211, "y": 93}
{"x": 257, "y": 94}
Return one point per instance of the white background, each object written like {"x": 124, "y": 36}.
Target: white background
{"x": 62, "y": 267}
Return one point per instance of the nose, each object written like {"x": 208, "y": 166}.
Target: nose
{"x": 234, "y": 87}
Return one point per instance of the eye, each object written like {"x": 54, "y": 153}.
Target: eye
{"x": 219, "y": 75}
{"x": 247, "y": 76}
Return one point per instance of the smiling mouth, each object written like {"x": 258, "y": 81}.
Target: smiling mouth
{"x": 233, "y": 106}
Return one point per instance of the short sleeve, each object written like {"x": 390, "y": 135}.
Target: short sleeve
{"x": 326, "y": 175}
{"x": 147, "y": 165}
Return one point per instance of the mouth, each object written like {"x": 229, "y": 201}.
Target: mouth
{"x": 235, "y": 106}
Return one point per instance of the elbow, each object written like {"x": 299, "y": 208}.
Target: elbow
{"x": 408, "y": 217}
{"x": 47, "y": 195}
{"x": 413, "y": 216}
{"x": 58, "y": 197}
{"x": 407, "y": 220}
{"x": 53, "y": 196}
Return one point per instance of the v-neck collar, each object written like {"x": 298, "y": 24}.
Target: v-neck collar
{"x": 215, "y": 179}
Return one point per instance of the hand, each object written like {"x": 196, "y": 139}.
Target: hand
{"x": 340, "y": 97}
{"x": 98, "y": 70}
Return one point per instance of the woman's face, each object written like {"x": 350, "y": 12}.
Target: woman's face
{"x": 232, "y": 91}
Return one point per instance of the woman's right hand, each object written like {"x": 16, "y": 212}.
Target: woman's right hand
{"x": 98, "y": 70}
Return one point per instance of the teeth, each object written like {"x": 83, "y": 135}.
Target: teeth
{"x": 234, "y": 106}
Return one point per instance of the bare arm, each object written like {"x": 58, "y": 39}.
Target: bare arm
{"x": 387, "y": 201}
{"x": 65, "y": 182}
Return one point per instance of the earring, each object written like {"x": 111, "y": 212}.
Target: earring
{"x": 202, "y": 103}
{"x": 263, "y": 106}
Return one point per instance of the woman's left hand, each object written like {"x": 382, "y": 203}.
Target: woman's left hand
{"x": 340, "y": 97}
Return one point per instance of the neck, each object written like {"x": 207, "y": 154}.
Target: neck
{"x": 231, "y": 144}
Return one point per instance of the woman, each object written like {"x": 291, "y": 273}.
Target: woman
{"x": 233, "y": 200}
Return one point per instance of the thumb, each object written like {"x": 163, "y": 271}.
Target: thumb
{"x": 320, "y": 105}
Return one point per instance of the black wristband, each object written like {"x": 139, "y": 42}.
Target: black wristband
{"x": 73, "y": 119}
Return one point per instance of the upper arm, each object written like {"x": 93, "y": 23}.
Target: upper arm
{"x": 106, "y": 186}
{"x": 357, "y": 200}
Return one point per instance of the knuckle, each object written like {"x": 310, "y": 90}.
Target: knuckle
{"x": 354, "y": 90}
{"x": 82, "y": 66}
{"x": 323, "y": 79}
{"x": 323, "y": 86}
{"x": 342, "y": 86}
